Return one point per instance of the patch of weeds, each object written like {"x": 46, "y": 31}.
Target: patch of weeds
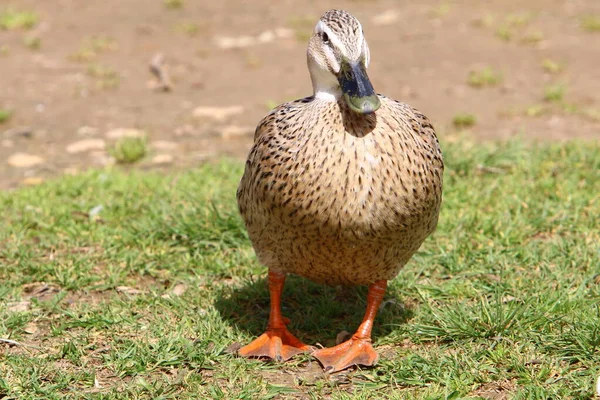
{"x": 129, "y": 150}
{"x": 485, "y": 77}
{"x": 570, "y": 108}
{"x": 4, "y": 50}
{"x": 515, "y": 23}
{"x": 464, "y": 120}
{"x": 5, "y": 115}
{"x": 106, "y": 77}
{"x": 552, "y": 67}
{"x": 93, "y": 47}
{"x": 536, "y": 110}
{"x": 554, "y": 93}
{"x": 519, "y": 20}
{"x": 188, "y": 28}
{"x": 302, "y": 27}
{"x": 532, "y": 37}
{"x": 32, "y": 42}
{"x": 173, "y": 4}
{"x": 590, "y": 23}
{"x": 505, "y": 33}
{"x": 11, "y": 19}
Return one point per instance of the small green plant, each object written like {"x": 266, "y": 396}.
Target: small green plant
{"x": 5, "y": 115}
{"x": 188, "y": 28}
{"x": 505, "y": 33}
{"x": 554, "y": 93}
{"x": 32, "y": 42}
{"x": 14, "y": 19}
{"x": 173, "y": 4}
{"x": 485, "y": 77}
{"x": 105, "y": 76}
{"x": 532, "y": 37}
{"x": 129, "y": 150}
{"x": 590, "y": 23}
{"x": 4, "y": 50}
{"x": 536, "y": 110}
{"x": 92, "y": 47}
{"x": 552, "y": 67}
{"x": 519, "y": 20}
{"x": 464, "y": 120}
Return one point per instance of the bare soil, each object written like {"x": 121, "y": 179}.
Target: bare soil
{"x": 91, "y": 72}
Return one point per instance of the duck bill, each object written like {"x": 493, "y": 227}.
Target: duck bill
{"x": 357, "y": 88}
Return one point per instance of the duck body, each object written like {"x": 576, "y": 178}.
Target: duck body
{"x": 341, "y": 187}
{"x": 340, "y": 197}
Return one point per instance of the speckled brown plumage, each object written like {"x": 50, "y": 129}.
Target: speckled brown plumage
{"x": 339, "y": 197}
{"x": 341, "y": 188}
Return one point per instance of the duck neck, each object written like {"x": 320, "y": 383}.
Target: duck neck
{"x": 325, "y": 85}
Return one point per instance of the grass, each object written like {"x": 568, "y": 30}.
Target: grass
{"x": 532, "y": 37}
{"x": 129, "y": 150}
{"x": 464, "y": 120}
{"x": 92, "y": 47}
{"x": 590, "y": 23}
{"x": 133, "y": 285}
{"x": 554, "y": 93}
{"x": 552, "y": 67}
{"x": 32, "y": 42}
{"x": 189, "y": 28}
{"x": 484, "y": 77}
{"x": 173, "y": 4}
{"x": 505, "y": 33}
{"x": 105, "y": 76}
{"x": 5, "y": 115}
{"x": 514, "y": 24}
{"x": 13, "y": 19}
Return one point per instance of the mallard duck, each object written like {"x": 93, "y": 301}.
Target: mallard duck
{"x": 341, "y": 187}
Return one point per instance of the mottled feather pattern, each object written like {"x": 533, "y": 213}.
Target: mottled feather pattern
{"x": 339, "y": 197}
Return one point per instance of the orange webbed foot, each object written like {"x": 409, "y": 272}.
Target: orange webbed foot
{"x": 355, "y": 351}
{"x": 278, "y": 344}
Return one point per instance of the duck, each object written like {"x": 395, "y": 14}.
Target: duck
{"x": 341, "y": 188}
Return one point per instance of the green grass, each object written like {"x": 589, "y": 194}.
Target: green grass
{"x": 5, "y": 115}
{"x": 484, "y": 77}
{"x": 92, "y": 47}
{"x": 590, "y": 23}
{"x": 148, "y": 279}
{"x": 32, "y": 42}
{"x": 174, "y": 4}
{"x": 464, "y": 120}
{"x": 554, "y": 93}
{"x": 11, "y": 19}
{"x": 129, "y": 150}
{"x": 551, "y": 66}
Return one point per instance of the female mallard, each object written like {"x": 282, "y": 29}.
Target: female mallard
{"x": 341, "y": 188}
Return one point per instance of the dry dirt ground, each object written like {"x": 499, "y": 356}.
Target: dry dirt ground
{"x": 83, "y": 71}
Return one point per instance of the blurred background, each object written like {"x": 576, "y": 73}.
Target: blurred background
{"x": 175, "y": 83}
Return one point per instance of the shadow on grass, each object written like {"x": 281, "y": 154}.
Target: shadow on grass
{"x": 317, "y": 312}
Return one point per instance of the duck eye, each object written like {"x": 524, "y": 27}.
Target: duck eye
{"x": 325, "y": 38}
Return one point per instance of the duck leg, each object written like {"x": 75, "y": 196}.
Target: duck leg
{"x": 277, "y": 342}
{"x": 358, "y": 350}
